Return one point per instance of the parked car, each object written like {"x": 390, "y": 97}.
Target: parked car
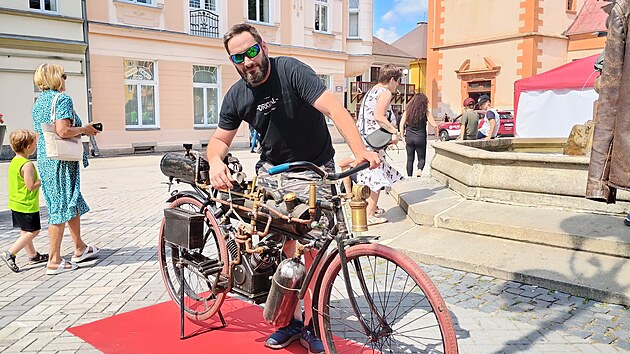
{"x": 450, "y": 130}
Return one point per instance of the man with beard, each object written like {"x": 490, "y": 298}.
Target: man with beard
{"x": 285, "y": 101}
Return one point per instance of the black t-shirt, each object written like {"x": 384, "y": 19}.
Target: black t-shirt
{"x": 418, "y": 128}
{"x": 281, "y": 110}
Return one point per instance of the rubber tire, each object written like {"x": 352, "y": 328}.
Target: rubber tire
{"x": 220, "y": 297}
{"x": 443, "y": 316}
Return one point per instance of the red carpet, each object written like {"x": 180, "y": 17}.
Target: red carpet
{"x": 155, "y": 329}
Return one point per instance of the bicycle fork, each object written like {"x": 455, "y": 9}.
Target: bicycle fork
{"x": 385, "y": 328}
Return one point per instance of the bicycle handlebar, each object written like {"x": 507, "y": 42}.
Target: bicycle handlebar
{"x": 289, "y": 166}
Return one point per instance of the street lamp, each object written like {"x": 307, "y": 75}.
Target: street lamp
{"x": 405, "y": 72}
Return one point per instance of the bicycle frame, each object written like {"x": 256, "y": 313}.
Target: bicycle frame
{"x": 315, "y": 272}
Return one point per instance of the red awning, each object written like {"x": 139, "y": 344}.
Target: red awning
{"x": 578, "y": 74}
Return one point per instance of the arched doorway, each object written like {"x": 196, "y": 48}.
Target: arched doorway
{"x": 479, "y": 81}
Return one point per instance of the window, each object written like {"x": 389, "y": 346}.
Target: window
{"x": 374, "y": 71}
{"x": 205, "y": 96}
{"x": 210, "y": 5}
{"x": 571, "y": 5}
{"x": 321, "y": 15}
{"x": 140, "y": 94}
{"x": 148, "y": 2}
{"x": 353, "y": 18}
{"x": 44, "y": 5}
{"x": 258, "y": 10}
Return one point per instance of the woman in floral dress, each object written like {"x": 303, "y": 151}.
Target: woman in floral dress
{"x": 376, "y": 113}
{"x": 60, "y": 179}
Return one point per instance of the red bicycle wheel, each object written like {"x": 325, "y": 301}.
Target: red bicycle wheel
{"x": 200, "y": 303}
{"x": 399, "y": 308}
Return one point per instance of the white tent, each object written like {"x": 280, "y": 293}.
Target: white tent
{"x": 551, "y": 103}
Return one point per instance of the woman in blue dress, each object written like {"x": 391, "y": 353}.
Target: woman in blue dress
{"x": 60, "y": 179}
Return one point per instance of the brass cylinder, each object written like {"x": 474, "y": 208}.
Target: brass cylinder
{"x": 253, "y": 184}
{"x": 360, "y": 192}
{"x": 290, "y": 200}
{"x": 359, "y": 215}
{"x": 312, "y": 198}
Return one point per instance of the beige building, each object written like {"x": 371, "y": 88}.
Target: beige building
{"x": 35, "y": 32}
{"x": 415, "y": 43}
{"x": 159, "y": 68}
{"x": 480, "y": 47}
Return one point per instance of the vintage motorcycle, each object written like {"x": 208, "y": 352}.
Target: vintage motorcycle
{"x": 366, "y": 296}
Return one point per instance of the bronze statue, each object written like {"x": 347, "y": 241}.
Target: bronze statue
{"x": 609, "y": 167}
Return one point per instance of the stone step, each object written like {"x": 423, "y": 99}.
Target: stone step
{"x": 427, "y": 202}
{"x": 595, "y": 276}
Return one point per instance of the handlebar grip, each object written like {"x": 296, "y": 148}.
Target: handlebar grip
{"x": 279, "y": 168}
{"x": 346, "y": 173}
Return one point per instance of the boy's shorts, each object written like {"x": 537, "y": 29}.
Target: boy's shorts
{"x": 26, "y": 221}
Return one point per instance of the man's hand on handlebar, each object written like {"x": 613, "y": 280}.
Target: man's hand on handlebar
{"x": 369, "y": 156}
{"x": 220, "y": 176}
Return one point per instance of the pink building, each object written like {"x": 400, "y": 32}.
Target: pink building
{"x": 159, "y": 69}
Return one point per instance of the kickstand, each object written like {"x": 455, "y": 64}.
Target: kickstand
{"x": 223, "y": 323}
{"x": 180, "y": 265}
{"x": 182, "y": 336}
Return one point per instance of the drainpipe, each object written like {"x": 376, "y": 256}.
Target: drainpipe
{"x": 88, "y": 77}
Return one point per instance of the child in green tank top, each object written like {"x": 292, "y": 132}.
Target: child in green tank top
{"x": 24, "y": 186}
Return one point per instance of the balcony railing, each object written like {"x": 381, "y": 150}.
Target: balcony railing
{"x": 403, "y": 93}
{"x": 204, "y": 23}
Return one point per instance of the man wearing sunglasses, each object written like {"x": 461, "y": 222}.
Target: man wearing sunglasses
{"x": 285, "y": 101}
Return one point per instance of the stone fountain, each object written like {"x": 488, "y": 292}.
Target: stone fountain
{"x": 520, "y": 171}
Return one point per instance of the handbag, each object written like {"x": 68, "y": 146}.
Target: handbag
{"x": 378, "y": 139}
{"x": 58, "y": 148}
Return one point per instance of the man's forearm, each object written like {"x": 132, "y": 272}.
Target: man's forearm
{"x": 349, "y": 132}
{"x": 217, "y": 150}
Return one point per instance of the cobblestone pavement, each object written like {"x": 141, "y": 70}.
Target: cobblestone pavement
{"x": 126, "y": 197}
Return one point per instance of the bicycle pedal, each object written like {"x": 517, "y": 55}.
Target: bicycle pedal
{"x": 209, "y": 263}
{"x": 211, "y": 271}
{"x": 221, "y": 286}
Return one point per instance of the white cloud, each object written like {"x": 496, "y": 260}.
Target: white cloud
{"x": 390, "y": 16}
{"x": 388, "y": 35}
{"x": 407, "y": 9}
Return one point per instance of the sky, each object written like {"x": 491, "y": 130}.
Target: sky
{"x": 395, "y": 18}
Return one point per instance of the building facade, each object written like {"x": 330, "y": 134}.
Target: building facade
{"x": 415, "y": 43}
{"x": 481, "y": 47}
{"x": 159, "y": 68}
{"x": 35, "y": 32}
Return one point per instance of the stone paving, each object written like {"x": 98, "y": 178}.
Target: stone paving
{"x": 126, "y": 196}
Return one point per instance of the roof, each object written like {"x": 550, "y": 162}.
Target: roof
{"x": 414, "y": 42}
{"x": 577, "y": 75}
{"x": 381, "y": 48}
{"x": 574, "y": 75}
{"x": 592, "y": 18}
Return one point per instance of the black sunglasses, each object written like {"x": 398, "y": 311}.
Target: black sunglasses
{"x": 64, "y": 76}
{"x": 251, "y": 53}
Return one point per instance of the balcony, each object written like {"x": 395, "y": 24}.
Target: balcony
{"x": 204, "y": 23}
{"x": 403, "y": 93}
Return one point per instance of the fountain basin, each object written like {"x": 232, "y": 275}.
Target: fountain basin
{"x": 521, "y": 171}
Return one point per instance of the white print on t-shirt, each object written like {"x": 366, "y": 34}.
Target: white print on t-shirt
{"x": 267, "y": 107}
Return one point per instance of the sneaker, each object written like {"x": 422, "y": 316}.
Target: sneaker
{"x": 285, "y": 335}
{"x": 9, "y": 259}
{"x": 627, "y": 220}
{"x": 310, "y": 342}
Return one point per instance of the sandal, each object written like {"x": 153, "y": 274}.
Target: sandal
{"x": 64, "y": 266}
{"x": 9, "y": 259}
{"x": 375, "y": 220}
{"x": 38, "y": 258}
{"x": 88, "y": 253}
{"x": 379, "y": 211}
